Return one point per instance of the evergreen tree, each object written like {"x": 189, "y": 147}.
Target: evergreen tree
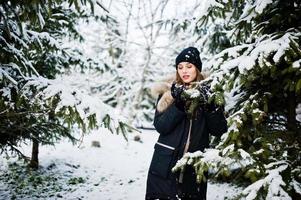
{"x": 256, "y": 64}
{"x": 33, "y": 105}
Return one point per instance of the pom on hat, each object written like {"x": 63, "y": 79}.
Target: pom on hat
{"x": 191, "y": 55}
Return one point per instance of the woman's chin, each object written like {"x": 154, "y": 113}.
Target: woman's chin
{"x": 187, "y": 81}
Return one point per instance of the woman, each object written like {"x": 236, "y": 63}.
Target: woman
{"x": 180, "y": 132}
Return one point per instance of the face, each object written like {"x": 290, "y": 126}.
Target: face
{"x": 187, "y": 72}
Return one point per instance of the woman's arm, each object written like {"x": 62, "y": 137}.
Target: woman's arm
{"x": 167, "y": 120}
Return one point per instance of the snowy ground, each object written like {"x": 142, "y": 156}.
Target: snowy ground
{"x": 115, "y": 171}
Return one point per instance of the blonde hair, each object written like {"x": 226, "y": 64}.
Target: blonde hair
{"x": 199, "y": 77}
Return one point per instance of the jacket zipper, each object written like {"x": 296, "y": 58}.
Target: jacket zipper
{"x": 186, "y": 149}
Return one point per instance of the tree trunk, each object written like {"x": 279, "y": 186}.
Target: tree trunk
{"x": 34, "y": 162}
{"x": 291, "y": 114}
{"x": 139, "y": 96}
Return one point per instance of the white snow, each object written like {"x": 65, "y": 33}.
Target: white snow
{"x": 232, "y": 96}
{"x": 41, "y": 19}
{"x": 193, "y": 93}
{"x": 228, "y": 149}
{"x": 260, "y": 151}
{"x": 116, "y": 170}
{"x": 37, "y": 36}
{"x": 253, "y": 53}
{"x": 297, "y": 186}
{"x": 296, "y": 64}
{"x": 5, "y": 74}
{"x": 261, "y": 5}
{"x": 252, "y": 9}
{"x": 298, "y": 112}
{"x": 207, "y": 5}
{"x": 273, "y": 182}
{"x": 74, "y": 97}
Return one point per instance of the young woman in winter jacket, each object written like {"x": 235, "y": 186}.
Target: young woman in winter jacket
{"x": 184, "y": 125}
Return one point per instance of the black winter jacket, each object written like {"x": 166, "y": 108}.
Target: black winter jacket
{"x": 173, "y": 127}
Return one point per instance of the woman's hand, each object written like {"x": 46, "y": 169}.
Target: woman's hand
{"x": 204, "y": 94}
{"x": 209, "y": 105}
{"x": 176, "y": 92}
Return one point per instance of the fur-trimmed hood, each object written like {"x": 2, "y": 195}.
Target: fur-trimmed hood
{"x": 163, "y": 88}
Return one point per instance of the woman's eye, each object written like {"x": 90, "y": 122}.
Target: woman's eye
{"x": 189, "y": 66}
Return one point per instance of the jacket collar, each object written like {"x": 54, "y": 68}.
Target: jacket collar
{"x": 163, "y": 88}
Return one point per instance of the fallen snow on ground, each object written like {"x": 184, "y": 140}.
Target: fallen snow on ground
{"x": 115, "y": 171}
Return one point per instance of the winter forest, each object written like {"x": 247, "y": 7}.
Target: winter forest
{"x": 76, "y": 102}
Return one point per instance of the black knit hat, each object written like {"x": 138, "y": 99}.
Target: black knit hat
{"x": 191, "y": 55}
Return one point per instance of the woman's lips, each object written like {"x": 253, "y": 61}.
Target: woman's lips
{"x": 185, "y": 76}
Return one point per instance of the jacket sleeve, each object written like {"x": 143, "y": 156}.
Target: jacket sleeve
{"x": 167, "y": 120}
{"x": 216, "y": 122}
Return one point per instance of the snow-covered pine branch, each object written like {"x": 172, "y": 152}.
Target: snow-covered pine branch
{"x": 221, "y": 165}
{"x": 91, "y": 111}
{"x": 272, "y": 184}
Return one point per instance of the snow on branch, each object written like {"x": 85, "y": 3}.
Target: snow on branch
{"x": 38, "y": 36}
{"x": 208, "y": 5}
{"x": 246, "y": 56}
{"x": 273, "y": 183}
{"x": 3, "y": 73}
{"x": 75, "y": 100}
{"x": 215, "y": 162}
{"x": 298, "y": 112}
{"x": 253, "y": 8}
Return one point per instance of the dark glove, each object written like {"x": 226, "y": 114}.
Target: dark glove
{"x": 205, "y": 92}
{"x": 211, "y": 107}
{"x": 176, "y": 92}
{"x": 204, "y": 95}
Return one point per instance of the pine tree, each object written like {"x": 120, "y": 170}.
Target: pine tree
{"x": 33, "y": 105}
{"x": 256, "y": 57}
